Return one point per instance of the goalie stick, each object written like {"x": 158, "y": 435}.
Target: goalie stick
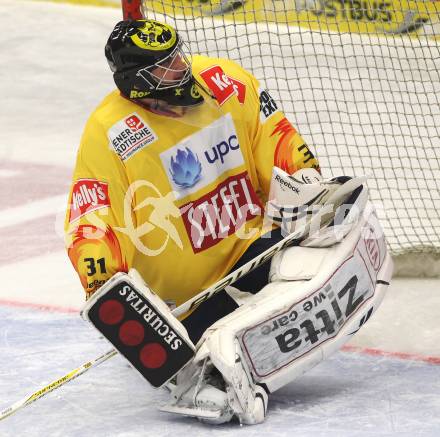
{"x": 192, "y": 303}
{"x": 55, "y": 384}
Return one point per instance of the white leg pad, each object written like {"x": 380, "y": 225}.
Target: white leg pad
{"x": 318, "y": 299}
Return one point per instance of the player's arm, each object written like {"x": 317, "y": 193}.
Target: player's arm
{"x": 276, "y": 142}
{"x": 288, "y": 173}
{"x": 95, "y": 212}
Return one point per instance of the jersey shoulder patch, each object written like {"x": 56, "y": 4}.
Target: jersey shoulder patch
{"x": 130, "y": 135}
{"x": 268, "y": 106}
{"x": 223, "y": 86}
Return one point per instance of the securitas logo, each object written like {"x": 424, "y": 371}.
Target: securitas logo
{"x": 203, "y": 157}
{"x": 88, "y": 195}
{"x": 185, "y": 168}
{"x": 130, "y": 135}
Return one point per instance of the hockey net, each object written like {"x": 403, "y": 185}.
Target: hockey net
{"x": 360, "y": 79}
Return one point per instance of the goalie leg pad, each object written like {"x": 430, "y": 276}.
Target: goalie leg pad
{"x": 320, "y": 297}
{"x": 140, "y": 326}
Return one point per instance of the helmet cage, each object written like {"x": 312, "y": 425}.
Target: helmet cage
{"x": 145, "y": 67}
{"x": 162, "y": 74}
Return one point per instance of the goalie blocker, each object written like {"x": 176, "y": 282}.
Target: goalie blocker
{"x": 140, "y": 326}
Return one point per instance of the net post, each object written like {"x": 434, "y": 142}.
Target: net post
{"x": 131, "y": 9}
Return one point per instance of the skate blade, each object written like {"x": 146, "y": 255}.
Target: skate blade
{"x": 191, "y": 412}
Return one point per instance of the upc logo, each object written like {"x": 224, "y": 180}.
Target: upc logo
{"x": 201, "y": 158}
{"x": 220, "y": 150}
{"x": 185, "y": 168}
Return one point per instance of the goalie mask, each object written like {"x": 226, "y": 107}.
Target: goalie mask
{"x": 148, "y": 61}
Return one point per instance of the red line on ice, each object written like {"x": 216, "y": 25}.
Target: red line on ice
{"x": 32, "y": 182}
{"x": 34, "y": 238}
{"x": 400, "y": 355}
{"x": 39, "y": 306}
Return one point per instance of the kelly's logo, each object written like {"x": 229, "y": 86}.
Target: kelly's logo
{"x": 88, "y": 195}
{"x": 223, "y": 86}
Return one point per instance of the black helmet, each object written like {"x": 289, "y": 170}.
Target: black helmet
{"x": 147, "y": 60}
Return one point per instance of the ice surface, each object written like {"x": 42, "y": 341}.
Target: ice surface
{"x": 55, "y": 75}
{"x": 349, "y": 394}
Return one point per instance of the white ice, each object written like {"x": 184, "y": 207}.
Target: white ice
{"x": 52, "y": 74}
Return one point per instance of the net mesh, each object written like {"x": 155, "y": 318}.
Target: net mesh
{"x": 360, "y": 79}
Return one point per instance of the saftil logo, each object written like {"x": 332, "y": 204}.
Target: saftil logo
{"x": 221, "y": 212}
{"x": 185, "y": 168}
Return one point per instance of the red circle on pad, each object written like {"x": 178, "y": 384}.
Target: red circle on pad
{"x": 153, "y": 355}
{"x": 111, "y": 312}
{"x": 131, "y": 333}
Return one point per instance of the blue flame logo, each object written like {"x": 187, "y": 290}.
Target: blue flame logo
{"x": 185, "y": 169}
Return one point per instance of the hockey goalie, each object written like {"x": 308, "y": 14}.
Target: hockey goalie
{"x": 192, "y": 190}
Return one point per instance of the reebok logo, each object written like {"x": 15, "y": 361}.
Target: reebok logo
{"x": 285, "y": 183}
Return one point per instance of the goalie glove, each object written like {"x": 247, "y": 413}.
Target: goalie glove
{"x": 295, "y": 199}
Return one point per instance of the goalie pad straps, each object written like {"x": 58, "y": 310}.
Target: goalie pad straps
{"x": 140, "y": 326}
{"x": 202, "y": 392}
{"x": 348, "y": 203}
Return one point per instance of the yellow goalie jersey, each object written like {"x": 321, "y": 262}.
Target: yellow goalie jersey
{"x": 178, "y": 198}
